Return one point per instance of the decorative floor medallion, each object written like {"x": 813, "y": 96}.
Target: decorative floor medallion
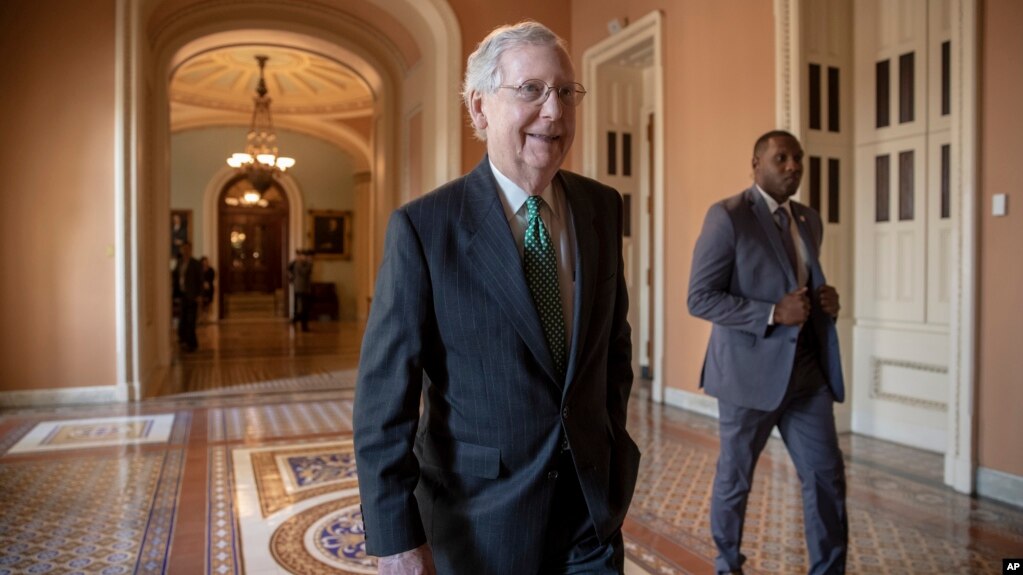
{"x": 96, "y": 432}
{"x": 325, "y": 539}
{"x": 298, "y": 507}
{"x": 288, "y": 474}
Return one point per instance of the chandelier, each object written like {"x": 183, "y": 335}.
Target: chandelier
{"x": 260, "y": 163}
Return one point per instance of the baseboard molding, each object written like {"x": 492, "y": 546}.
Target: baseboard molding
{"x": 66, "y": 396}
{"x": 695, "y": 402}
{"x": 706, "y": 405}
{"x": 1004, "y": 487}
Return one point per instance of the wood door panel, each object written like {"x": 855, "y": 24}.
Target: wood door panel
{"x": 251, "y": 251}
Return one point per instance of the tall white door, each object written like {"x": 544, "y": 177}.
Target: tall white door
{"x": 623, "y": 163}
{"x": 903, "y": 220}
{"x": 828, "y": 144}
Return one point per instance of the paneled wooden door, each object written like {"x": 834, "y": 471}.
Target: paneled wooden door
{"x": 252, "y": 243}
{"x": 250, "y": 249}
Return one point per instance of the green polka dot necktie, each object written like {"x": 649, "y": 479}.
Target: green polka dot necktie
{"x": 541, "y": 266}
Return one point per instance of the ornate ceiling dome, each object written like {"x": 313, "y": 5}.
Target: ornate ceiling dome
{"x": 300, "y": 83}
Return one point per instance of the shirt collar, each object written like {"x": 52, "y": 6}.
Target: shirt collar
{"x": 772, "y": 205}
{"x": 513, "y": 197}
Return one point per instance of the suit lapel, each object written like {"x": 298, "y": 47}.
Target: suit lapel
{"x": 770, "y": 228}
{"x": 799, "y": 213}
{"x": 493, "y": 252}
{"x": 586, "y": 257}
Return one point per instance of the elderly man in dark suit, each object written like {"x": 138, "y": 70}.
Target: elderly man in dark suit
{"x": 502, "y": 301}
{"x": 187, "y": 277}
{"x": 773, "y": 354}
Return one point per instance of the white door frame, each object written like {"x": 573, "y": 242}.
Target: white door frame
{"x": 646, "y": 29}
{"x": 960, "y": 464}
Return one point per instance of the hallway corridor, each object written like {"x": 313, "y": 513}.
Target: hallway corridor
{"x": 241, "y": 462}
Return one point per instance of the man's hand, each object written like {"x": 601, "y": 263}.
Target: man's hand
{"x": 829, "y": 300}
{"x": 794, "y": 308}
{"x": 418, "y": 561}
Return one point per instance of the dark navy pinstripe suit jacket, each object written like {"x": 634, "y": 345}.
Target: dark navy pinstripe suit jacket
{"x": 451, "y": 303}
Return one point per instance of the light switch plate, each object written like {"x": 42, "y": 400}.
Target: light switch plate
{"x": 998, "y": 207}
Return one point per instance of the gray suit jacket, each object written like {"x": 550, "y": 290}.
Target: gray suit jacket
{"x": 739, "y": 271}
{"x": 452, "y": 304}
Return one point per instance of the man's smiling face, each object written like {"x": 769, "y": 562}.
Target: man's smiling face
{"x": 528, "y": 141}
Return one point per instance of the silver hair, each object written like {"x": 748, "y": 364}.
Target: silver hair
{"x": 483, "y": 70}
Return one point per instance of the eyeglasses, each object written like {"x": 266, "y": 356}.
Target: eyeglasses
{"x": 537, "y": 92}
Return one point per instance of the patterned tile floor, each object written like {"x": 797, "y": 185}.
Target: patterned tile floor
{"x": 258, "y": 478}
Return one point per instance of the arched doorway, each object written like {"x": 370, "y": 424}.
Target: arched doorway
{"x": 252, "y": 248}
{"x": 164, "y": 34}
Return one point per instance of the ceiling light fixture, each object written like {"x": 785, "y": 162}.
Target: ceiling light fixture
{"x": 260, "y": 162}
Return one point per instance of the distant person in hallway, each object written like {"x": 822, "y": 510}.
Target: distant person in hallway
{"x": 772, "y": 359}
{"x": 300, "y": 271}
{"x": 501, "y": 301}
{"x": 179, "y": 234}
{"x": 188, "y": 289}
{"x": 208, "y": 278}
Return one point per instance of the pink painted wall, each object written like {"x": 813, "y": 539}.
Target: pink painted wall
{"x": 999, "y": 362}
{"x": 56, "y": 209}
{"x": 719, "y": 97}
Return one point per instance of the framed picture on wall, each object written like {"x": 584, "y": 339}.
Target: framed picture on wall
{"x": 181, "y": 230}
{"x": 329, "y": 234}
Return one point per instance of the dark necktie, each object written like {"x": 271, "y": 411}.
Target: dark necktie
{"x": 541, "y": 267}
{"x": 781, "y": 217}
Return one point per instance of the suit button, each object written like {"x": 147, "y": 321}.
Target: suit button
{"x": 564, "y": 444}
{"x": 552, "y": 474}
{"x": 564, "y": 413}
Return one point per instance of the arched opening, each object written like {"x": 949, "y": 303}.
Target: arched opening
{"x": 171, "y": 33}
{"x": 252, "y": 249}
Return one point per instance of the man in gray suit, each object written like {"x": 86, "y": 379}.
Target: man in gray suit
{"x": 772, "y": 359}
{"x": 501, "y": 301}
